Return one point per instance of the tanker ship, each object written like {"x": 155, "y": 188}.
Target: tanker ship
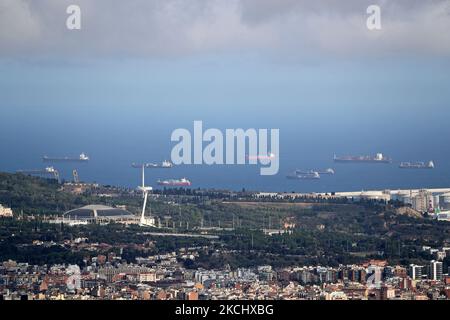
{"x": 378, "y": 158}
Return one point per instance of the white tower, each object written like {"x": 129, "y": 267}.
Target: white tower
{"x": 145, "y": 190}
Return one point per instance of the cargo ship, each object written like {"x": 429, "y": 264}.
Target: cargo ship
{"x": 417, "y": 165}
{"x": 312, "y": 175}
{"x": 165, "y": 165}
{"x": 82, "y": 158}
{"x": 378, "y": 158}
{"x": 183, "y": 182}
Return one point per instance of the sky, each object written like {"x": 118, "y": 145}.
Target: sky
{"x": 139, "y": 69}
{"x": 256, "y": 57}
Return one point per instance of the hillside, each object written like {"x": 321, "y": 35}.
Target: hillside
{"x": 33, "y": 195}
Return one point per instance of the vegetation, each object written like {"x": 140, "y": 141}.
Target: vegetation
{"x": 320, "y": 231}
{"x": 32, "y": 195}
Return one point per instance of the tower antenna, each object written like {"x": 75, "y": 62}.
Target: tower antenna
{"x": 145, "y": 190}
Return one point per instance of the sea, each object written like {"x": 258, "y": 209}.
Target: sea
{"x": 115, "y": 138}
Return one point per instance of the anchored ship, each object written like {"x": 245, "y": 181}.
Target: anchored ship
{"x": 183, "y": 182}
{"x": 417, "y": 165}
{"x": 378, "y": 158}
{"x": 165, "y": 165}
{"x": 83, "y": 157}
{"x": 268, "y": 156}
{"x": 312, "y": 175}
{"x": 326, "y": 171}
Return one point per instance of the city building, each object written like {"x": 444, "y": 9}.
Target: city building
{"x": 423, "y": 201}
{"x": 436, "y": 270}
{"x": 444, "y": 201}
{"x": 415, "y": 272}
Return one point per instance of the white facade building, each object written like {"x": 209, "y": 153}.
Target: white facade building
{"x": 5, "y": 212}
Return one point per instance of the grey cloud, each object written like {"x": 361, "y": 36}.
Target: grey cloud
{"x": 157, "y": 28}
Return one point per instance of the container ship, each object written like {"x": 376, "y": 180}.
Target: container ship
{"x": 417, "y": 165}
{"x": 378, "y": 158}
{"x": 82, "y": 158}
{"x": 313, "y": 175}
{"x": 165, "y": 165}
{"x": 175, "y": 182}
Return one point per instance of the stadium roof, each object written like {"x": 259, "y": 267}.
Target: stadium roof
{"x": 98, "y": 212}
